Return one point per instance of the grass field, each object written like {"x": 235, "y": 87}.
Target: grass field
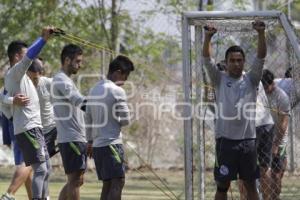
{"x": 138, "y": 187}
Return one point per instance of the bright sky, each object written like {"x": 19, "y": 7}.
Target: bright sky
{"x": 160, "y": 23}
{"x": 170, "y": 24}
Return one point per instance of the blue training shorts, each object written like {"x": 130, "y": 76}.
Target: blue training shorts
{"x": 74, "y": 156}
{"x": 109, "y": 162}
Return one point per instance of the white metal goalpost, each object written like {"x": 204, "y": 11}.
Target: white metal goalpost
{"x": 284, "y": 52}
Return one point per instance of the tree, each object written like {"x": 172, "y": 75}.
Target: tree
{"x": 106, "y": 23}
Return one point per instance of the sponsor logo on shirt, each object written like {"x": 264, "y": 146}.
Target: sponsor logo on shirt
{"x": 224, "y": 170}
{"x": 228, "y": 84}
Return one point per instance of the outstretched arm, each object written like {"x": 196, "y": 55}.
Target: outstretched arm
{"x": 255, "y": 72}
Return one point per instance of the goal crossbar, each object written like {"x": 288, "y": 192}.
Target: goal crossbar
{"x": 230, "y": 14}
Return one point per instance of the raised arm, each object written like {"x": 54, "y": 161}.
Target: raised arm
{"x": 18, "y": 71}
{"x": 210, "y": 68}
{"x": 258, "y": 64}
{"x": 209, "y": 32}
{"x": 260, "y": 26}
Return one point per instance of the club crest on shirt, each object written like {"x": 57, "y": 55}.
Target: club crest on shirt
{"x": 229, "y": 84}
{"x": 224, "y": 170}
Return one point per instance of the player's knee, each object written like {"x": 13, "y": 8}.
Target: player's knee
{"x": 78, "y": 182}
{"x": 48, "y": 173}
{"x": 223, "y": 187}
{"x": 40, "y": 170}
{"x": 117, "y": 184}
{"x": 49, "y": 169}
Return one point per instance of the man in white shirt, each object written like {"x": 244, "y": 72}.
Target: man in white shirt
{"x": 106, "y": 113}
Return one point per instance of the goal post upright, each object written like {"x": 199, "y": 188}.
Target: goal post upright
{"x": 290, "y": 34}
{"x": 187, "y": 112}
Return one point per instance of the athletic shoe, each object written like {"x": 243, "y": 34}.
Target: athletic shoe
{"x": 6, "y": 196}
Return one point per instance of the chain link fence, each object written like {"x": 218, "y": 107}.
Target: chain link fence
{"x": 281, "y": 56}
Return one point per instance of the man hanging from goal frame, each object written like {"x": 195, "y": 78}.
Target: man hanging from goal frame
{"x": 236, "y": 155}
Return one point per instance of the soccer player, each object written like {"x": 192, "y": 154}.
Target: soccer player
{"x": 235, "y": 133}
{"x": 279, "y": 105}
{"x": 69, "y": 107}
{"x": 43, "y": 87}
{"x": 27, "y": 120}
{"x": 106, "y": 113}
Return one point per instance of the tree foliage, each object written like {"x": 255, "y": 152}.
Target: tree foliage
{"x": 106, "y": 24}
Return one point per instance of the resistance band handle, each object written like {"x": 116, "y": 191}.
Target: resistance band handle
{"x": 57, "y": 32}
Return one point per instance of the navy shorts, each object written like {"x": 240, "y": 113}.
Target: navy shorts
{"x": 236, "y": 159}
{"x": 33, "y": 146}
{"x": 74, "y": 156}
{"x": 109, "y": 162}
{"x": 8, "y": 129}
{"x": 264, "y": 143}
{"x": 18, "y": 156}
{"x": 50, "y": 139}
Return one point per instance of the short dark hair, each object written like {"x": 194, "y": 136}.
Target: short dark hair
{"x": 267, "y": 77}
{"x": 234, "y": 48}
{"x": 70, "y": 51}
{"x": 15, "y": 47}
{"x": 122, "y": 63}
{"x": 35, "y": 66}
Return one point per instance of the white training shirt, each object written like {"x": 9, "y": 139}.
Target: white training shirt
{"x": 17, "y": 82}
{"x": 107, "y": 111}
{"x": 66, "y": 101}
{"x": 236, "y": 100}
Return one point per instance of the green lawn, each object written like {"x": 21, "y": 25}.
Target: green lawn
{"x": 138, "y": 187}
